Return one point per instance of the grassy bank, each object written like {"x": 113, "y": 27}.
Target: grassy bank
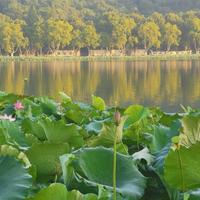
{"x": 100, "y": 58}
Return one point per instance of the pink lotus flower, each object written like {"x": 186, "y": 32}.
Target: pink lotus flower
{"x": 18, "y": 106}
{"x": 7, "y": 117}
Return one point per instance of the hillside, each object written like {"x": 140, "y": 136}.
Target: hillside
{"x": 146, "y": 7}
{"x": 143, "y": 6}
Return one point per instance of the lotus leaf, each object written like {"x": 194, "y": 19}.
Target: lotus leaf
{"x": 15, "y": 181}
{"x": 93, "y": 167}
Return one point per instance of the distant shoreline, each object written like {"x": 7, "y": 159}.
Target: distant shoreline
{"x": 100, "y": 58}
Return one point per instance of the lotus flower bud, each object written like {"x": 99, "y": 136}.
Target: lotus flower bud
{"x": 117, "y": 117}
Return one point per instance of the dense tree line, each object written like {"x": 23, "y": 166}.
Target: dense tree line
{"x": 40, "y": 26}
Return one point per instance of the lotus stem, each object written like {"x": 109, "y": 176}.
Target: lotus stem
{"x": 115, "y": 168}
{"x": 117, "y": 121}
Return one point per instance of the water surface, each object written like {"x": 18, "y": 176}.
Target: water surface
{"x": 154, "y": 83}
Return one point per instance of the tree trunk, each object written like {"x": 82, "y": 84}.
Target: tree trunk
{"x": 20, "y": 52}
{"x": 168, "y": 47}
{"x": 195, "y": 46}
{"x": 145, "y": 45}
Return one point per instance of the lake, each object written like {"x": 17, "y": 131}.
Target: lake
{"x": 167, "y": 84}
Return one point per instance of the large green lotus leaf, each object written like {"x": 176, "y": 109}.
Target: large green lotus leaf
{"x": 168, "y": 119}
{"x": 33, "y": 108}
{"x": 46, "y": 159}
{"x": 94, "y": 166}
{"x": 55, "y": 191}
{"x": 107, "y": 135}
{"x": 94, "y": 127}
{"x": 58, "y": 191}
{"x": 48, "y": 106}
{"x": 33, "y": 127}
{"x": 31, "y": 139}
{"x": 191, "y": 130}
{"x": 13, "y": 133}
{"x": 74, "y": 113}
{"x": 135, "y": 114}
{"x": 161, "y": 137}
{"x": 59, "y": 132}
{"x": 79, "y": 113}
{"x": 98, "y": 103}
{"x": 14, "y": 179}
{"x": 9, "y": 98}
{"x": 182, "y": 169}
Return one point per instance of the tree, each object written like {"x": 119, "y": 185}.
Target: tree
{"x": 89, "y": 36}
{"x": 77, "y": 43}
{"x": 59, "y": 34}
{"x": 149, "y": 34}
{"x": 117, "y": 29}
{"x": 11, "y": 36}
{"x": 137, "y": 17}
{"x": 15, "y": 9}
{"x": 171, "y": 35}
{"x": 195, "y": 33}
{"x": 173, "y": 18}
{"x": 122, "y": 31}
{"x": 132, "y": 42}
{"x": 185, "y": 27}
{"x": 76, "y": 21}
{"x": 35, "y": 30}
{"x": 158, "y": 19}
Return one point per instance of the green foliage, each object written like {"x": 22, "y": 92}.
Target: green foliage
{"x": 58, "y": 191}
{"x": 15, "y": 180}
{"x": 58, "y": 132}
{"x": 71, "y": 144}
{"x": 135, "y": 114}
{"x": 89, "y": 36}
{"x": 171, "y": 35}
{"x": 183, "y": 164}
{"x": 195, "y": 33}
{"x": 150, "y": 35}
{"x": 59, "y": 34}
{"x": 191, "y": 127}
{"x": 94, "y": 167}
{"x": 13, "y": 134}
{"x": 35, "y": 31}
{"x": 12, "y": 37}
{"x": 107, "y": 133}
{"x": 98, "y": 103}
{"x": 46, "y": 159}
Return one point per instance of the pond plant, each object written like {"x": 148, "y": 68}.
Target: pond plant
{"x": 70, "y": 150}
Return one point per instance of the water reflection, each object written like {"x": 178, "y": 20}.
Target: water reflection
{"x": 159, "y": 83}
